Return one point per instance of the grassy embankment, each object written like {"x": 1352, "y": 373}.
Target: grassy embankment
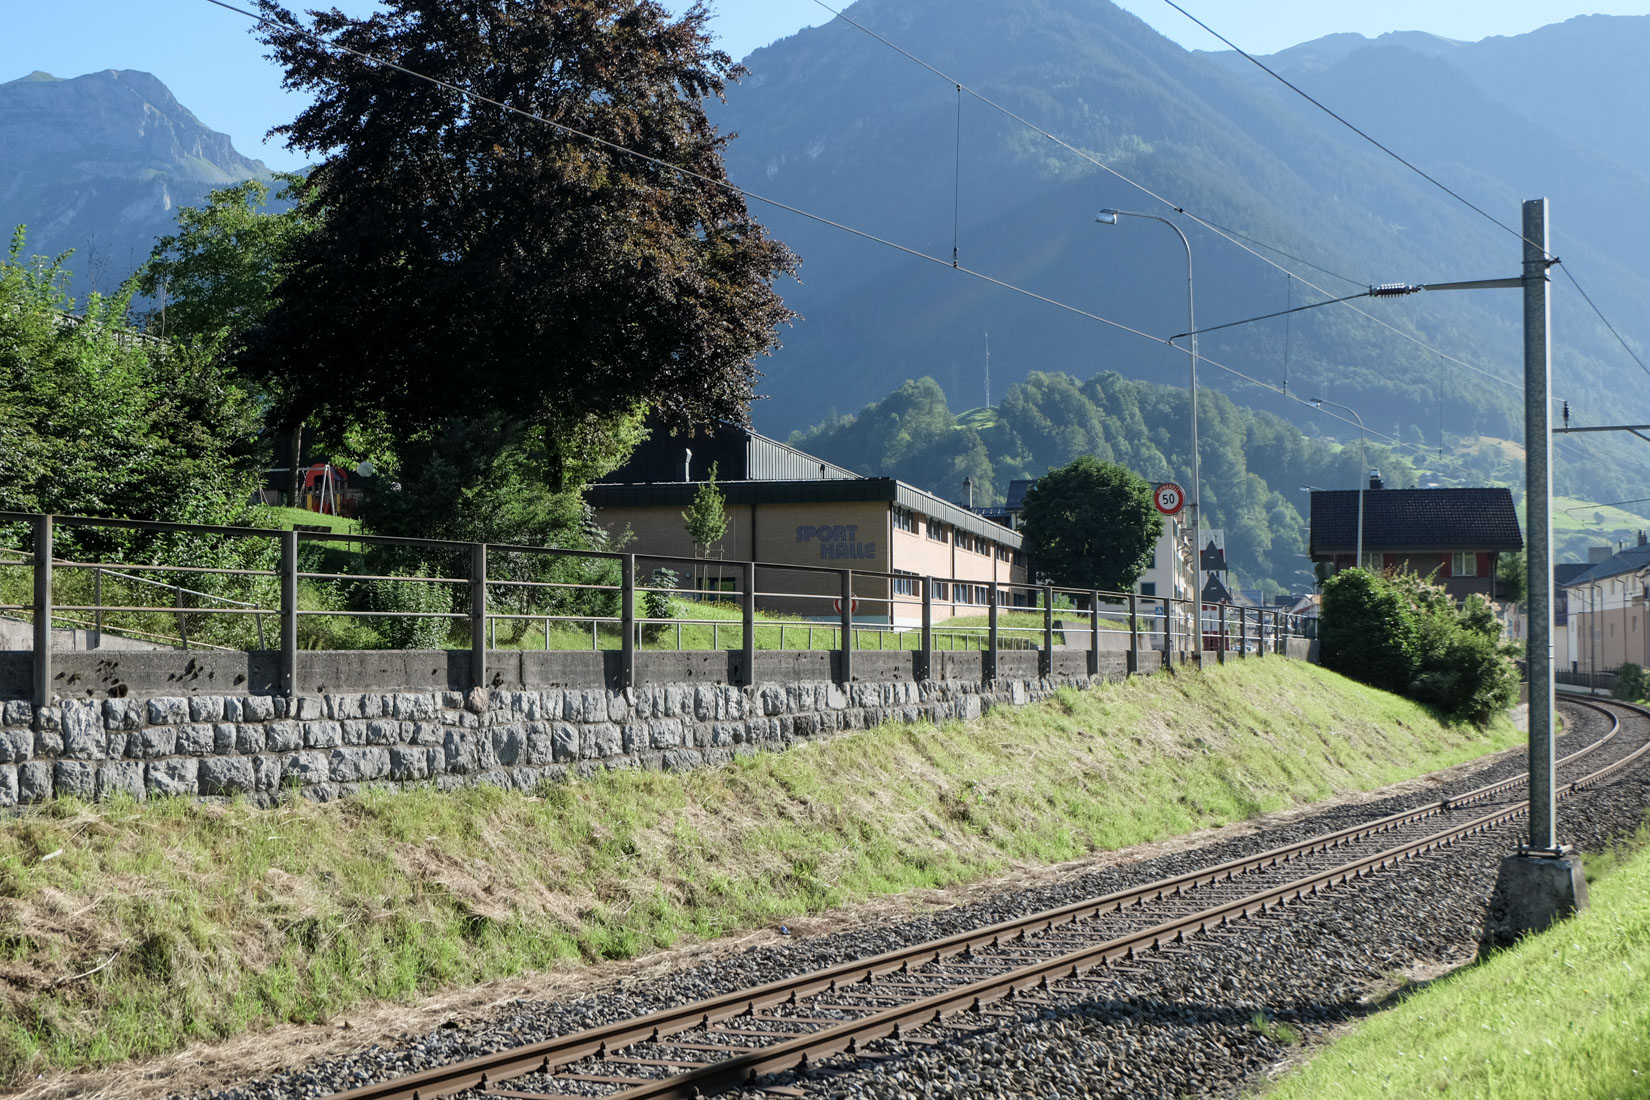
{"x": 128, "y": 930}
{"x": 720, "y": 626}
{"x": 1561, "y": 1014}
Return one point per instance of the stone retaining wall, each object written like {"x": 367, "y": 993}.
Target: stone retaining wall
{"x": 196, "y": 742}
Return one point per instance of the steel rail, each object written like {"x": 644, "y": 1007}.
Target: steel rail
{"x": 549, "y": 1055}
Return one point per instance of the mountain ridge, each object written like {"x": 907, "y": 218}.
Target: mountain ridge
{"x": 100, "y": 163}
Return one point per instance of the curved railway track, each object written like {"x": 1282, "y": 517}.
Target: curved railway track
{"x": 957, "y": 982}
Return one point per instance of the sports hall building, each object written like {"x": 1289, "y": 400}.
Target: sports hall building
{"x": 789, "y": 508}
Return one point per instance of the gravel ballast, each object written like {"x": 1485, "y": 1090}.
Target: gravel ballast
{"x": 1205, "y": 1020}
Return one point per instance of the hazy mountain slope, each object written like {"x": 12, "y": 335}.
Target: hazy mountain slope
{"x": 100, "y": 163}
{"x": 836, "y": 123}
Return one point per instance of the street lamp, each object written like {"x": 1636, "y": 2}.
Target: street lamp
{"x": 1109, "y": 217}
{"x": 1363, "y": 462}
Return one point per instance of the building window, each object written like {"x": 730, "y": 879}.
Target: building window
{"x": 1612, "y": 630}
{"x": 1149, "y": 588}
{"x": 904, "y": 521}
{"x": 1374, "y": 561}
{"x": 936, "y": 531}
{"x": 1004, "y": 553}
{"x": 1019, "y": 557}
{"x": 905, "y": 584}
{"x": 981, "y": 594}
{"x": 942, "y": 590}
{"x": 1463, "y": 563}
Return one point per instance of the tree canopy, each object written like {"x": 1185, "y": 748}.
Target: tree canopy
{"x": 96, "y": 419}
{"x": 473, "y": 259}
{"x": 1091, "y": 524}
{"x": 215, "y": 278}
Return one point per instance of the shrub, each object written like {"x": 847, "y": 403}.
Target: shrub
{"x": 1632, "y": 683}
{"x": 1400, "y": 633}
{"x": 411, "y": 632}
{"x": 1368, "y": 631}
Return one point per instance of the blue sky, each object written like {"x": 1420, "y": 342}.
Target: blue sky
{"x": 205, "y": 55}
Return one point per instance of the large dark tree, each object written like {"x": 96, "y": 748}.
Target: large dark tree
{"x": 472, "y": 260}
{"x": 1091, "y": 524}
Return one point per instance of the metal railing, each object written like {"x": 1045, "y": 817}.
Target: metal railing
{"x": 569, "y": 594}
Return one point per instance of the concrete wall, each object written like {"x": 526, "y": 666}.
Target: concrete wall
{"x": 222, "y": 731}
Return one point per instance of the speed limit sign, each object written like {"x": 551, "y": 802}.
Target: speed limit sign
{"x": 1169, "y": 498}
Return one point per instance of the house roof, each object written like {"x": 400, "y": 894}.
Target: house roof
{"x": 1480, "y": 519}
{"x": 680, "y": 494}
{"x": 1629, "y": 560}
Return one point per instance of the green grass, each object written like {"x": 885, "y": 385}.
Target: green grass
{"x": 1560, "y": 1014}
{"x": 282, "y": 518}
{"x": 966, "y": 632}
{"x": 218, "y": 920}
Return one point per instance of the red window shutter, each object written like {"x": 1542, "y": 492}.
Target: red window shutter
{"x": 1444, "y": 571}
{"x": 1483, "y": 565}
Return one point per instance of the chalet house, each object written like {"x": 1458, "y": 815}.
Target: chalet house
{"x": 1456, "y": 536}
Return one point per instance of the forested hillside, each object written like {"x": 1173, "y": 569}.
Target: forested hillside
{"x": 1253, "y": 463}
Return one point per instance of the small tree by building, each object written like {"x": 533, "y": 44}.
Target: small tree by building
{"x": 1091, "y": 524}
{"x": 707, "y": 520}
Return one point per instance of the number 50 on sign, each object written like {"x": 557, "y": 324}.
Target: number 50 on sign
{"x": 1169, "y": 498}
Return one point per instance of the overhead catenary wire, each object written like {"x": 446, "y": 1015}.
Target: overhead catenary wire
{"x": 907, "y": 250}
{"x": 1148, "y": 192}
{"x": 1413, "y": 168}
{"x": 1230, "y": 236}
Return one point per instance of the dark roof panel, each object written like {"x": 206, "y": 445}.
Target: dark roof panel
{"x": 1629, "y": 560}
{"x": 1415, "y": 520}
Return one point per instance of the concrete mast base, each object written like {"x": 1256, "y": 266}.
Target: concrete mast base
{"x": 1534, "y": 890}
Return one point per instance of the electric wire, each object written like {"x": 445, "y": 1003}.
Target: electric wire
{"x": 1147, "y": 191}
{"x": 1413, "y": 168}
{"x": 1231, "y": 236}
{"x": 1275, "y": 75}
{"x": 1588, "y": 299}
{"x": 817, "y": 218}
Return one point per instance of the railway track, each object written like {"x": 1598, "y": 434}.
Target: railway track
{"x": 968, "y": 981}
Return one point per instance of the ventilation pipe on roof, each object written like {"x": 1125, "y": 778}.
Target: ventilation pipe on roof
{"x": 1642, "y": 539}
{"x": 687, "y": 464}
{"x": 968, "y": 495}
{"x": 1374, "y": 478}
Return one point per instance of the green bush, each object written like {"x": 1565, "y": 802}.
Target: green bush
{"x": 1632, "y": 683}
{"x": 1368, "y": 631}
{"x": 1400, "y": 633}
{"x": 411, "y": 632}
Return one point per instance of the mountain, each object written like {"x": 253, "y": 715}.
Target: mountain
{"x": 100, "y": 163}
{"x": 835, "y": 123}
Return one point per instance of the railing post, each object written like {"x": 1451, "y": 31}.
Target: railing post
{"x": 183, "y": 621}
{"x": 1094, "y": 633}
{"x": 1243, "y": 632}
{"x": 42, "y": 611}
{"x": 627, "y": 621}
{"x": 1134, "y": 633}
{"x": 846, "y": 618}
{"x": 478, "y": 614}
{"x": 925, "y": 663}
{"x": 289, "y": 614}
{"x": 749, "y": 616}
{"x": 991, "y": 635}
{"x": 1260, "y": 628}
{"x": 1045, "y": 659}
{"x": 97, "y": 616}
{"x": 1168, "y": 633}
{"x": 1220, "y": 639}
